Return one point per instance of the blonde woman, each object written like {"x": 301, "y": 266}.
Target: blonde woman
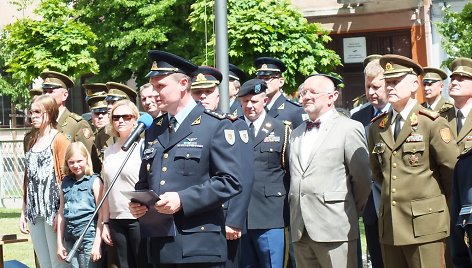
{"x": 43, "y": 175}
{"x": 120, "y": 228}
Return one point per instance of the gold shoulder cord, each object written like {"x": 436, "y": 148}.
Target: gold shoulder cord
{"x": 284, "y": 147}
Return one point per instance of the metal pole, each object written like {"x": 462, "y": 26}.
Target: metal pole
{"x": 222, "y": 62}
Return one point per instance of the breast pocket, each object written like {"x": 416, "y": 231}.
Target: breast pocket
{"x": 413, "y": 153}
{"x": 187, "y": 160}
{"x": 272, "y": 152}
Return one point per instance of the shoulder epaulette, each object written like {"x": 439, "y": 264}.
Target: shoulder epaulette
{"x": 294, "y": 103}
{"x": 378, "y": 116}
{"x": 215, "y": 114}
{"x": 431, "y": 114}
{"x": 446, "y": 107}
{"x": 232, "y": 117}
{"x": 76, "y": 117}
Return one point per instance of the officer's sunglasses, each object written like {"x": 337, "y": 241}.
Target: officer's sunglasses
{"x": 126, "y": 117}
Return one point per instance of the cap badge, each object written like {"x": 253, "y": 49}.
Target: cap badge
{"x": 388, "y": 66}
{"x": 47, "y": 80}
{"x": 201, "y": 77}
{"x": 154, "y": 66}
{"x": 257, "y": 88}
{"x": 264, "y": 67}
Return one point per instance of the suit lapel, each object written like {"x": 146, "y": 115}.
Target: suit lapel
{"x": 407, "y": 126}
{"x": 185, "y": 128}
{"x": 274, "y": 110}
{"x": 297, "y": 135}
{"x": 163, "y": 136}
{"x": 385, "y": 133}
{"x": 264, "y": 131}
{"x": 323, "y": 133}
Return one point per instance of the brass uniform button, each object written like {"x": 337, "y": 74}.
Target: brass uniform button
{"x": 166, "y": 155}
{"x": 164, "y": 169}
{"x": 394, "y": 190}
{"x": 394, "y": 165}
{"x": 162, "y": 182}
{"x": 202, "y": 228}
{"x": 394, "y": 177}
{"x": 394, "y": 203}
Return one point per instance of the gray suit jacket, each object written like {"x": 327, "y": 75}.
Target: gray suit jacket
{"x": 327, "y": 197}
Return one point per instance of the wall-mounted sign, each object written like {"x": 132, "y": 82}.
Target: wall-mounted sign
{"x": 355, "y": 49}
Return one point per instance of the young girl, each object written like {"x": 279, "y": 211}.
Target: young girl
{"x": 80, "y": 192}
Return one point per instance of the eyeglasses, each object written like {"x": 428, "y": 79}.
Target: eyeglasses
{"x": 306, "y": 92}
{"x": 126, "y": 117}
{"x": 35, "y": 112}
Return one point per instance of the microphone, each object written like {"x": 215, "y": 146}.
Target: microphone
{"x": 144, "y": 122}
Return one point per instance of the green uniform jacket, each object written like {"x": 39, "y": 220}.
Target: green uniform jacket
{"x": 464, "y": 138}
{"x": 102, "y": 141}
{"x": 416, "y": 173}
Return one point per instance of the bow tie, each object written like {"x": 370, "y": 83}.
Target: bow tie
{"x": 311, "y": 124}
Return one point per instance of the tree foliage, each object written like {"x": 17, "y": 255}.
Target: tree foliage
{"x": 56, "y": 41}
{"x": 128, "y": 29}
{"x": 269, "y": 28}
{"x": 456, "y": 29}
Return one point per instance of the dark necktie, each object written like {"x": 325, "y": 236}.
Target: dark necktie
{"x": 252, "y": 130}
{"x": 172, "y": 124}
{"x": 377, "y": 112}
{"x": 397, "y": 128}
{"x": 311, "y": 124}
{"x": 459, "y": 121}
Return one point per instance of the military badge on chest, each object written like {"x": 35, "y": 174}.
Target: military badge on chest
{"x": 379, "y": 149}
{"x": 272, "y": 138}
{"x": 190, "y": 142}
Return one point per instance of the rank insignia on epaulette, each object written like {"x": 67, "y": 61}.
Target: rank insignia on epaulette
{"x": 281, "y": 107}
{"x": 431, "y": 114}
{"x": 159, "y": 123}
{"x": 197, "y": 121}
{"x": 229, "y": 136}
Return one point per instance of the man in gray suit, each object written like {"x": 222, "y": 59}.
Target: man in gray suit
{"x": 329, "y": 180}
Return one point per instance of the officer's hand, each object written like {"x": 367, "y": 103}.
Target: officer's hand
{"x": 169, "y": 203}
{"x": 137, "y": 210}
{"x": 232, "y": 233}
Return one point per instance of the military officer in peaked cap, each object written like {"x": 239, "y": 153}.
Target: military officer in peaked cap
{"x": 96, "y": 94}
{"x": 270, "y": 70}
{"x": 35, "y": 92}
{"x": 190, "y": 161}
{"x": 460, "y": 90}
{"x": 236, "y": 78}
{"x": 413, "y": 153}
{"x": 117, "y": 91}
{"x": 433, "y": 83}
{"x": 265, "y": 243}
{"x": 205, "y": 90}
{"x": 75, "y": 128}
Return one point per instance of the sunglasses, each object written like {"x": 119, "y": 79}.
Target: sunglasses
{"x": 101, "y": 113}
{"x": 126, "y": 117}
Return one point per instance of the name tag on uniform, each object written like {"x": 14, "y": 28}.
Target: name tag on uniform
{"x": 415, "y": 138}
{"x": 466, "y": 210}
{"x": 272, "y": 138}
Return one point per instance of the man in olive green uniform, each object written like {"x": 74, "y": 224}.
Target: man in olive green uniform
{"x": 413, "y": 154}
{"x": 433, "y": 83}
{"x": 460, "y": 89}
{"x": 75, "y": 128}
{"x": 96, "y": 94}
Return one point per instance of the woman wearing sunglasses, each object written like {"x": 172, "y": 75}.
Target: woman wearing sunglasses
{"x": 120, "y": 228}
{"x": 43, "y": 175}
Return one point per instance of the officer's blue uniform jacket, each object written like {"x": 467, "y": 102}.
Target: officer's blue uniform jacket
{"x": 199, "y": 162}
{"x": 268, "y": 207}
{"x": 286, "y": 110}
{"x": 461, "y": 212}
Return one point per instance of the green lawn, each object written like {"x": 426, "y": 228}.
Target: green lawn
{"x": 22, "y": 252}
